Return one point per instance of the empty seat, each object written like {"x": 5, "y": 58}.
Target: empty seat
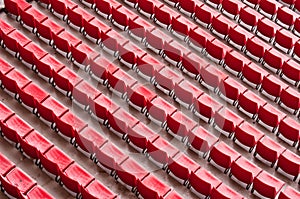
{"x": 156, "y": 40}
{"x": 289, "y": 164}
{"x": 192, "y": 64}
{"x": 60, "y": 8}
{"x": 148, "y": 66}
{"x": 231, "y": 8}
{"x": 288, "y": 193}
{"x": 253, "y": 75}
{"x": 198, "y": 39}
{"x": 121, "y": 17}
{"x": 129, "y": 54}
{"x": 82, "y": 56}
{"x": 63, "y": 42}
{"x": 272, "y": 87}
{"x": 138, "y": 28}
{"x": 216, "y": 51}
{"x": 250, "y": 103}
{"x": 37, "y": 192}
{"x": 164, "y": 16}
{"x": 96, "y": 190}
{"x": 234, "y": 62}
{"x": 31, "y": 17}
{"x": 221, "y": 25}
{"x": 255, "y": 49}
{"x": 285, "y": 40}
{"x": 147, "y": 7}
{"x": 15, "y": 7}
{"x": 211, "y": 77}
{"x": 13, "y": 41}
{"x": 5, "y": 113}
{"x": 6, "y": 165}
{"x": 181, "y": 27}
{"x": 5, "y": 29}
{"x": 285, "y": 17}
{"x": 47, "y": 29}
{"x": 94, "y": 30}
{"x": 173, "y": 195}
{"x": 230, "y": 90}
{"x": 248, "y": 18}
{"x": 174, "y": 52}
{"x": 290, "y": 72}
{"x": 76, "y": 18}
{"x": 47, "y": 66}
{"x": 289, "y": 131}
{"x": 269, "y": 8}
{"x": 238, "y": 37}
{"x": 266, "y": 29}
{"x": 30, "y": 53}
{"x": 273, "y": 60}
{"x": 204, "y": 15}
{"x": 104, "y": 7}
{"x": 296, "y": 51}
{"x": 111, "y": 42}
{"x": 223, "y": 191}
{"x": 187, "y": 7}
{"x": 290, "y": 100}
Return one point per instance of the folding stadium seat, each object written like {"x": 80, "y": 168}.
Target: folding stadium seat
{"x": 296, "y": 7}
{"x": 14, "y": 81}
{"x": 31, "y": 95}
{"x": 238, "y": 37}
{"x": 266, "y": 29}
{"x": 60, "y": 8}
{"x": 76, "y": 18}
{"x": 201, "y": 141}
{"x": 121, "y": 17}
{"x": 17, "y": 183}
{"x": 286, "y": 17}
{"x": 47, "y": 29}
{"x": 269, "y": 8}
{"x": 268, "y": 151}
{"x": 289, "y": 165}
{"x": 285, "y": 40}
{"x": 120, "y": 122}
{"x": 198, "y": 39}
{"x": 188, "y": 7}
{"x": 174, "y": 52}
{"x": 5, "y": 30}
{"x": 104, "y": 7}
{"x": 30, "y": 53}
{"x": 202, "y": 182}
{"x": 4, "y": 69}
{"x": 223, "y": 191}
{"x": 296, "y": 51}
{"x": 204, "y": 15}
{"x": 173, "y": 195}
{"x": 180, "y": 168}
{"x": 129, "y": 173}
{"x": 164, "y": 16}
{"x": 131, "y": 3}
{"x": 5, "y": 113}
{"x": 111, "y": 42}
{"x": 156, "y": 40}
{"x": 138, "y": 29}
{"x": 152, "y": 187}
{"x": 234, "y": 62}
{"x": 173, "y": 3}
{"x": 273, "y": 60}
{"x": 211, "y": 77}
{"x": 63, "y": 42}
{"x": 13, "y": 41}
{"x": 6, "y": 165}
{"x": 253, "y": 75}
{"x": 222, "y": 156}
{"x": 248, "y": 19}
{"x": 230, "y": 90}
{"x": 130, "y": 53}
{"x": 290, "y": 72}
{"x": 119, "y": 82}
{"x": 96, "y": 190}
{"x": 147, "y": 7}
{"x": 272, "y": 87}
{"x": 45, "y": 4}
{"x": 289, "y": 131}
{"x": 139, "y": 96}
{"x": 246, "y": 136}
{"x": 255, "y": 49}
{"x": 83, "y": 93}
{"x": 74, "y": 177}
{"x": 182, "y": 26}
{"x": 290, "y": 100}
{"x": 296, "y": 27}
{"x": 54, "y": 161}
{"x": 82, "y": 55}
{"x": 101, "y": 106}
{"x": 49, "y": 109}
{"x": 216, "y": 51}
{"x": 108, "y": 157}
{"x": 243, "y": 172}
{"x": 216, "y": 4}
{"x": 148, "y": 66}
{"x": 179, "y": 125}
{"x": 205, "y": 108}
{"x": 288, "y": 193}
{"x": 231, "y": 8}
{"x": 14, "y": 7}
{"x": 160, "y": 152}
{"x": 166, "y": 79}
{"x": 266, "y": 186}
{"x": 221, "y": 25}
{"x": 192, "y": 64}
{"x": 37, "y": 192}
{"x": 33, "y": 143}
{"x": 87, "y": 140}
{"x": 31, "y": 17}
{"x": 94, "y": 29}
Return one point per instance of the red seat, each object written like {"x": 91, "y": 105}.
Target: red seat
{"x": 266, "y": 29}
{"x": 31, "y": 17}
{"x": 174, "y": 52}
{"x": 216, "y": 50}
{"x": 37, "y": 192}
{"x": 4, "y": 69}
{"x": 5, "y": 29}
{"x": 204, "y": 14}
{"x": 216, "y": 4}
{"x": 60, "y": 8}
{"x": 166, "y": 79}
{"x": 289, "y": 164}
{"x": 5, "y": 113}
{"x": 14, "y": 81}
{"x": 69, "y": 124}
{"x": 132, "y": 3}
{"x": 120, "y": 121}
{"x": 285, "y": 40}
{"x": 221, "y": 25}
{"x": 268, "y": 151}
{"x": 82, "y": 56}
{"x": 130, "y": 53}
{"x": 147, "y": 7}
{"x": 222, "y": 156}
{"x": 94, "y": 29}
{"x": 140, "y": 135}
{"x": 6, "y": 165}
{"x": 17, "y": 183}
{"x": 290, "y": 72}
{"x": 290, "y": 100}
{"x": 148, "y": 66}
{"x": 289, "y": 131}
{"x": 179, "y": 125}
{"x": 15, "y": 7}
{"x": 139, "y": 96}
{"x": 223, "y": 192}
{"x": 152, "y": 187}
{"x": 255, "y": 49}
{"x": 248, "y": 18}
{"x": 230, "y": 90}
{"x": 269, "y": 8}
{"x": 111, "y": 42}
{"x": 186, "y": 93}
{"x": 160, "y": 152}
{"x": 54, "y": 161}
{"x": 243, "y": 172}
{"x": 188, "y": 7}
{"x": 192, "y": 64}
{"x": 96, "y": 190}
{"x": 238, "y": 37}
{"x": 14, "y": 40}
{"x": 104, "y": 7}
{"x": 198, "y": 39}
{"x": 121, "y": 17}
{"x": 297, "y": 6}
{"x": 288, "y": 193}
{"x": 138, "y": 28}
{"x": 30, "y": 53}
{"x": 182, "y": 26}
{"x": 109, "y": 156}
{"x": 119, "y": 82}
{"x": 211, "y": 77}
{"x": 247, "y": 136}
{"x": 265, "y": 185}
{"x": 77, "y": 16}
{"x": 33, "y": 144}
{"x": 205, "y": 107}
{"x": 129, "y": 173}
{"x": 272, "y": 87}
{"x": 201, "y": 141}
{"x": 253, "y": 75}
{"x": 158, "y": 111}
{"x": 202, "y": 182}
{"x": 164, "y": 16}
{"x": 296, "y": 28}
{"x": 101, "y": 106}
{"x": 173, "y": 195}
{"x": 64, "y": 41}
{"x": 181, "y": 166}
{"x": 47, "y": 29}
{"x": 234, "y": 62}
{"x": 286, "y": 17}
{"x": 47, "y": 66}
{"x": 74, "y": 177}
{"x": 273, "y": 60}
{"x": 231, "y": 8}
{"x": 296, "y": 52}
{"x": 156, "y": 40}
